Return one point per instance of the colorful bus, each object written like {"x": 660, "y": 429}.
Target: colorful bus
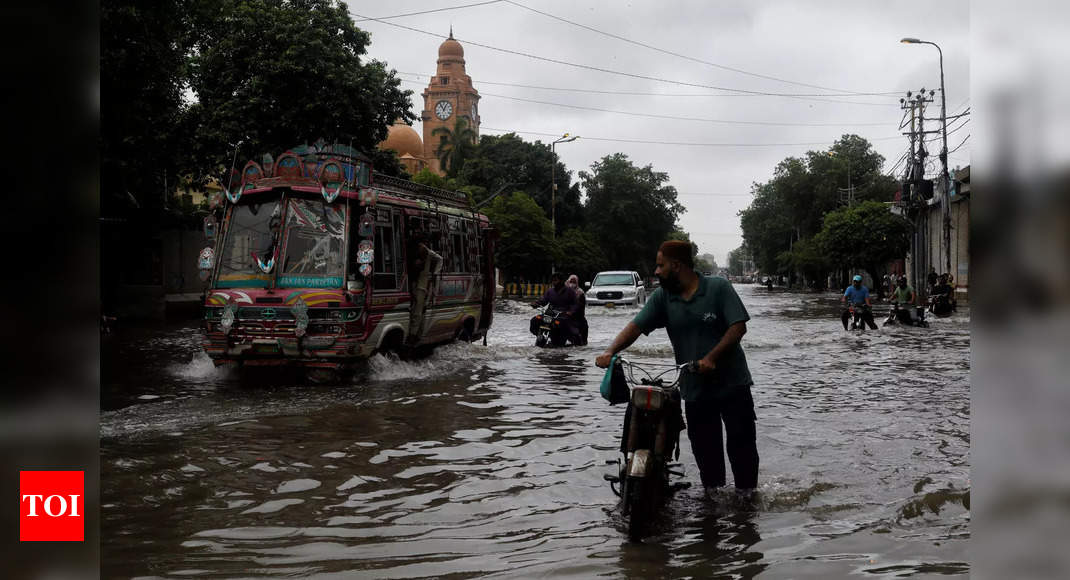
{"x": 317, "y": 262}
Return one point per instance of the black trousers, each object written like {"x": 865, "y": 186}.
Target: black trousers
{"x": 704, "y": 420}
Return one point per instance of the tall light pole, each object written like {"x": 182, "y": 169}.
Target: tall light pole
{"x": 943, "y": 154}
{"x": 553, "y": 180}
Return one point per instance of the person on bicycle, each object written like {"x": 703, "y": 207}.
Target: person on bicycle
{"x": 858, "y": 296}
{"x": 705, "y": 320}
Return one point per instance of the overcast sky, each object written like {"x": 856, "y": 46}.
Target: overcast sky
{"x": 847, "y": 46}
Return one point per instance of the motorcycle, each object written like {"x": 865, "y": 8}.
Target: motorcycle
{"x": 941, "y": 305}
{"x": 551, "y": 327}
{"x": 900, "y": 314}
{"x": 857, "y": 316}
{"x": 652, "y": 425}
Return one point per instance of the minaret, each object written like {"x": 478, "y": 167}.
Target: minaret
{"x": 448, "y": 96}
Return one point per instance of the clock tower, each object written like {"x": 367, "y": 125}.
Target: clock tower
{"x": 449, "y": 96}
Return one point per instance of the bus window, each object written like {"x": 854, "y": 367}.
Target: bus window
{"x": 457, "y": 253}
{"x": 385, "y": 270}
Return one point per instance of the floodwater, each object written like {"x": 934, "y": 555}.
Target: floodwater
{"x": 487, "y": 461}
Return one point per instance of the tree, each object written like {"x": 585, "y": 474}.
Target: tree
{"x": 526, "y": 249}
{"x": 736, "y": 261}
{"x": 581, "y": 254}
{"x": 427, "y": 177}
{"x": 280, "y": 73}
{"x": 709, "y": 261}
{"x": 455, "y": 145}
{"x": 630, "y": 210}
{"x": 387, "y": 162}
{"x": 865, "y": 235}
{"x": 507, "y": 159}
{"x": 142, "y": 135}
{"x": 792, "y": 205}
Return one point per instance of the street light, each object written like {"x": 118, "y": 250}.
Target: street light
{"x": 553, "y": 180}
{"x": 943, "y": 152}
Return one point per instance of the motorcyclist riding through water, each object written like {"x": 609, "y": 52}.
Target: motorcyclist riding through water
{"x": 857, "y": 295}
{"x": 562, "y": 298}
{"x": 905, "y": 297}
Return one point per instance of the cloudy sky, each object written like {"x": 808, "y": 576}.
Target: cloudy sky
{"x": 724, "y": 137}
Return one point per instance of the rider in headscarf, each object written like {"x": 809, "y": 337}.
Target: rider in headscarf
{"x": 573, "y": 282}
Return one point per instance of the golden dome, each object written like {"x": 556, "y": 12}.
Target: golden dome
{"x": 450, "y": 48}
{"x": 403, "y": 139}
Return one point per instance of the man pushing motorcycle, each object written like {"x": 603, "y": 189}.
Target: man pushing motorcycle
{"x": 705, "y": 320}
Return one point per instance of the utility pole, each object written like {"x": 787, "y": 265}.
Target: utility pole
{"x": 916, "y": 203}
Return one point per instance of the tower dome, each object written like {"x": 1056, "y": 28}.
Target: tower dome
{"x": 403, "y": 139}
{"x": 450, "y": 48}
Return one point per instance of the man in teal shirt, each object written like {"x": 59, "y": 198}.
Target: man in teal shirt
{"x": 705, "y": 320}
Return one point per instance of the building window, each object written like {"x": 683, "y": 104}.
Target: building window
{"x": 445, "y": 80}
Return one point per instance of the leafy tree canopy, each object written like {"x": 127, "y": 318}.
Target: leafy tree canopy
{"x": 143, "y": 49}
{"x": 792, "y": 205}
{"x": 277, "y": 73}
{"x": 631, "y": 210}
{"x": 865, "y": 235}
{"x": 581, "y": 254}
{"x": 526, "y": 248}
{"x": 507, "y": 159}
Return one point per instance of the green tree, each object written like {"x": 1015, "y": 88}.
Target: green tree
{"x": 866, "y": 236}
{"x": 143, "y": 136}
{"x": 630, "y": 210}
{"x": 580, "y": 254}
{"x": 708, "y": 261}
{"x": 454, "y": 145}
{"x": 279, "y": 73}
{"x": 387, "y": 163}
{"x": 736, "y": 265}
{"x": 508, "y": 159}
{"x": 526, "y": 248}
{"x": 791, "y": 206}
{"x": 427, "y": 177}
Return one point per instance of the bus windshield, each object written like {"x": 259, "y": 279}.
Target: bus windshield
{"x": 254, "y": 230}
{"x": 315, "y": 245}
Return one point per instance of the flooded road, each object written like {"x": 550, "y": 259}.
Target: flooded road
{"x": 487, "y": 461}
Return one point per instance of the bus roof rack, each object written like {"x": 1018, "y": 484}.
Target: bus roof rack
{"x": 404, "y": 187}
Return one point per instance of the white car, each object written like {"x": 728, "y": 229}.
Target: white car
{"x": 616, "y": 287}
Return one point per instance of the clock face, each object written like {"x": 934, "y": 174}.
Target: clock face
{"x": 443, "y": 110}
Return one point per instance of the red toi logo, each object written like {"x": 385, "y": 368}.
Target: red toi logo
{"x": 52, "y": 506}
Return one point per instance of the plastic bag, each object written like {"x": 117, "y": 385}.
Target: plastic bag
{"x": 614, "y": 388}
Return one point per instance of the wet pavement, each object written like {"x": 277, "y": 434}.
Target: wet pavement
{"x": 487, "y": 461}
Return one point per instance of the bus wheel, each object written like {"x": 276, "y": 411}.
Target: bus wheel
{"x": 468, "y": 332}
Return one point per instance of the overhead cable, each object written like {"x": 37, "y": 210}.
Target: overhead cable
{"x": 686, "y": 57}
{"x": 610, "y": 71}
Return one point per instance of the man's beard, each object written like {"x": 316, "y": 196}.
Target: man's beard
{"x": 671, "y": 283}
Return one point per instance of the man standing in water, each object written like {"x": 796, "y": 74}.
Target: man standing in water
{"x": 705, "y": 320}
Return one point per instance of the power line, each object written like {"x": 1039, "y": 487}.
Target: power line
{"x": 684, "y": 56}
{"x": 430, "y": 11}
{"x": 677, "y": 118}
{"x": 959, "y": 145}
{"x": 712, "y": 195}
{"x": 650, "y": 94}
{"x": 605, "y": 70}
{"x": 684, "y": 143}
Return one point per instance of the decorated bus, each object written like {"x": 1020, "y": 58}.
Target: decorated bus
{"x": 316, "y": 261}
